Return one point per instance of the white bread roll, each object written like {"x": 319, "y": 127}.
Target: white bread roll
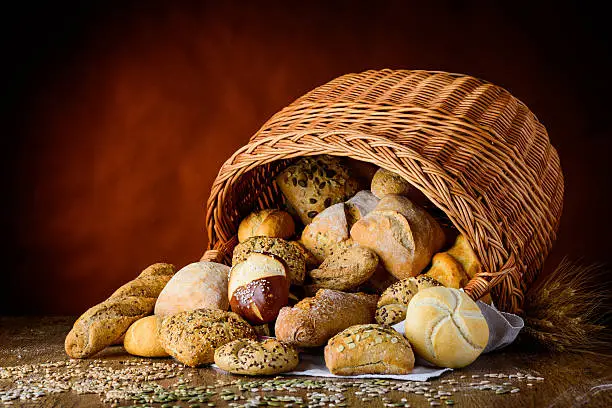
{"x": 446, "y": 327}
{"x": 200, "y": 285}
{"x": 326, "y": 230}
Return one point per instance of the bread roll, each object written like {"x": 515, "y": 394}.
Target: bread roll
{"x": 192, "y": 336}
{"x": 142, "y": 338}
{"x": 199, "y": 285}
{"x": 446, "y": 270}
{"x": 360, "y": 205}
{"x": 446, "y": 327}
{"x": 252, "y": 357}
{"x": 464, "y": 254}
{"x": 284, "y": 250}
{"x": 386, "y": 182}
{"x": 369, "y": 349}
{"x": 391, "y": 307}
{"x": 268, "y": 223}
{"x": 380, "y": 280}
{"x": 105, "y": 322}
{"x": 315, "y": 320}
{"x": 314, "y": 183}
{"x": 258, "y": 288}
{"x": 326, "y": 230}
{"x": 402, "y": 234}
{"x": 345, "y": 270}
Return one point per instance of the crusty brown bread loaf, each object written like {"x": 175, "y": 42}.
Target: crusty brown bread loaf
{"x": 402, "y": 234}
{"x": 104, "y": 323}
{"x": 312, "y": 321}
{"x": 369, "y": 349}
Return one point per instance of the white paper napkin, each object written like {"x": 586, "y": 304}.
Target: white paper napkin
{"x": 503, "y": 329}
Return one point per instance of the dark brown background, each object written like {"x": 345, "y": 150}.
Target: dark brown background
{"x": 120, "y": 115}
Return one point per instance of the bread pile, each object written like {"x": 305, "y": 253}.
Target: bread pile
{"x": 336, "y": 267}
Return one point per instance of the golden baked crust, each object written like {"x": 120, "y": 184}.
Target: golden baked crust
{"x": 269, "y": 222}
{"x": 346, "y": 269}
{"x": 284, "y": 250}
{"x": 446, "y": 327}
{"x": 312, "y": 321}
{"x": 464, "y": 254}
{"x": 142, "y": 338}
{"x": 192, "y": 336}
{"x": 369, "y": 349}
{"x": 386, "y": 182}
{"x": 402, "y": 234}
{"x": 314, "y": 183}
{"x": 251, "y": 357}
{"x": 104, "y": 323}
{"x": 446, "y": 270}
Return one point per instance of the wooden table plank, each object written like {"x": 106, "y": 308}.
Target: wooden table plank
{"x": 569, "y": 380}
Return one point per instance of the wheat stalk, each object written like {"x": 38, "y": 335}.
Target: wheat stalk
{"x": 569, "y": 309}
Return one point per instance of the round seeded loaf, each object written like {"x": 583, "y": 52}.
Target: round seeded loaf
{"x": 192, "y": 336}
{"x": 251, "y": 357}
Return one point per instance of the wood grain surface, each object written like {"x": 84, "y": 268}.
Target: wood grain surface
{"x": 569, "y": 380}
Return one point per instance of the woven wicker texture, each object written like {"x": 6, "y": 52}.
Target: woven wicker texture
{"x": 473, "y": 149}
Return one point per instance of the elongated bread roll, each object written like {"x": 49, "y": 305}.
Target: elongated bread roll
{"x": 104, "y": 323}
{"x": 313, "y": 321}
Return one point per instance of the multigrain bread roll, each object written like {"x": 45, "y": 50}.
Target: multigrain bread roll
{"x": 200, "y": 285}
{"x": 314, "y": 183}
{"x": 284, "y": 250}
{"x": 325, "y": 231}
{"x": 314, "y": 320}
{"x": 105, "y": 322}
{"x": 402, "y": 234}
{"x": 446, "y": 327}
{"x": 446, "y": 270}
{"x": 268, "y": 223}
{"x": 369, "y": 349}
{"x": 192, "y": 336}
{"x": 252, "y": 357}
{"x": 345, "y": 270}
{"x": 386, "y": 182}
{"x": 391, "y": 307}
{"x": 142, "y": 338}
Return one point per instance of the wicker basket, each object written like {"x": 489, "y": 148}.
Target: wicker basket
{"x": 474, "y": 150}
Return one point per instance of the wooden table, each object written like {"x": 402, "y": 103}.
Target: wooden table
{"x": 569, "y": 380}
